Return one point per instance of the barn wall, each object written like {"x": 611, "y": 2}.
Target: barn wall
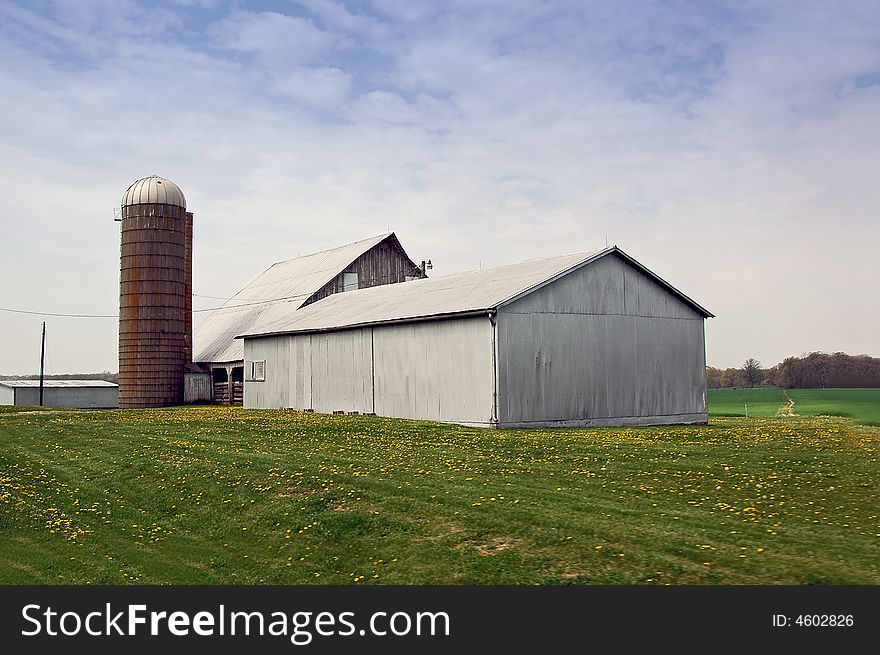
{"x": 197, "y": 387}
{"x": 384, "y": 263}
{"x": 341, "y": 371}
{"x": 300, "y": 373}
{"x": 608, "y": 286}
{"x": 275, "y": 390}
{"x": 438, "y": 370}
{"x": 603, "y": 345}
{"x": 96, "y": 397}
{"x": 28, "y": 396}
{"x": 7, "y": 395}
{"x": 72, "y": 397}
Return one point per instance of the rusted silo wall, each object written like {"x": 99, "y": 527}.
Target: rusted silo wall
{"x": 154, "y": 303}
{"x": 188, "y": 282}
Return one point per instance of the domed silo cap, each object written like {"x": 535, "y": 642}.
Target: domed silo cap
{"x": 154, "y": 190}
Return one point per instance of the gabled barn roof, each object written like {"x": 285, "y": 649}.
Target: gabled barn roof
{"x": 458, "y": 294}
{"x": 287, "y": 284}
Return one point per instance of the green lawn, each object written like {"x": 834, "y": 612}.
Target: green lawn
{"x": 224, "y": 495}
{"x": 762, "y": 401}
{"x": 863, "y": 405}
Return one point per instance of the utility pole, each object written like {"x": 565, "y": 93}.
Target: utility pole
{"x": 42, "y": 362}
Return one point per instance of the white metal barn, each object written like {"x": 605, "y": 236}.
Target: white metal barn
{"x": 60, "y": 393}
{"x": 578, "y": 340}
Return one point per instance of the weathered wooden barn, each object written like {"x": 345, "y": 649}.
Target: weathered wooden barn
{"x": 579, "y": 340}
{"x": 294, "y": 284}
{"x": 60, "y": 393}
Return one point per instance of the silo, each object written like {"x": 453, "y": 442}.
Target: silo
{"x": 153, "y": 302}
{"x": 188, "y": 290}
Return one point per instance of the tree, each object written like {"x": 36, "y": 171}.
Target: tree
{"x": 713, "y": 377}
{"x": 752, "y": 371}
{"x": 731, "y": 377}
{"x": 771, "y": 376}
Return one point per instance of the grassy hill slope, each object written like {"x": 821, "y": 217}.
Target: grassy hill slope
{"x": 224, "y": 495}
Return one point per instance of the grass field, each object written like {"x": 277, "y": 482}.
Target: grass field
{"x": 862, "y": 405}
{"x": 762, "y": 401}
{"x": 224, "y": 495}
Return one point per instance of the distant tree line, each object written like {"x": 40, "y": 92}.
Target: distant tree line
{"x": 106, "y": 375}
{"x": 813, "y": 371}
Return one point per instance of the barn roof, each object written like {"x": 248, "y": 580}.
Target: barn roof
{"x": 289, "y": 284}
{"x": 446, "y": 296}
{"x": 58, "y": 384}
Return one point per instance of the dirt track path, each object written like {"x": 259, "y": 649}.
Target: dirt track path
{"x": 788, "y": 409}
{"x": 31, "y": 412}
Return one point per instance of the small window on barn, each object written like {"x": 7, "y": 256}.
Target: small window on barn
{"x": 258, "y": 371}
{"x": 349, "y": 281}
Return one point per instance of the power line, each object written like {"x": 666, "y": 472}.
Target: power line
{"x": 24, "y": 311}
{"x": 381, "y": 278}
{"x": 199, "y": 295}
{"x": 59, "y": 315}
{"x": 252, "y": 304}
{"x": 195, "y": 311}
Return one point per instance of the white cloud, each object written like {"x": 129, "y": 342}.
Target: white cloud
{"x": 385, "y": 107}
{"x": 338, "y": 16}
{"x": 319, "y": 87}
{"x": 732, "y": 150}
{"x": 277, "y": 40}
{"x": 407, "y": 11}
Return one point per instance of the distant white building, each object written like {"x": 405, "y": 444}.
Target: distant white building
{"x": 96, "y": 394}
{"x": 579, "y": 340}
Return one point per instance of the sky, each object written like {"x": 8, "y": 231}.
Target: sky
{"x": 731, "y": 147}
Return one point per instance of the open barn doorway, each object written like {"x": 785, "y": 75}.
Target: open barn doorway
{"x": 238, "y": 385}
{"x": 220, "y": 378}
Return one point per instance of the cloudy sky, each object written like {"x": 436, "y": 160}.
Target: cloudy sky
{"x": 732, "y": 147}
